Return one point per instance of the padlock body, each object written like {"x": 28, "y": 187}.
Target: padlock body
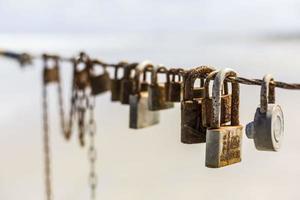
{"x": 144, "y": 86}
{"x": 157, "y": 98}
{"x": 199, "y": 92}
{"x": 174, "y": 92}
{"x": 115, "y": 85}
{"x": 100, "y": 83}
{"x": 225, "y": 110}
{"x": 51, "y": 75}
{"x": 82, "y": 79}
{"x": 140, "y": 115}
{"x": 223, "y": 146}
{"x": 192, "y": 130}
{"x": 127, "y": 88}
{"x": 269, "y": 128}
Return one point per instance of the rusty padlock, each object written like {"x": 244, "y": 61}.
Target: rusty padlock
{"x": 224, "y": 142}
{"x": 100, "y": 83}
{"x": 267, "y": 129}
{"x": 115, "y": 82}
{"x": 51, "y": 74}
{"x": 140, "y": 115}
{"x": 207, "y": 103}
{"x": 192, "y": 130}
{"x": 173, "y": 86}
{"x": 128, "y": 83}
{"x": 157, "y": 91}
{"x": 81, "y": 77}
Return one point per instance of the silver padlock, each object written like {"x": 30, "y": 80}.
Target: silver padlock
{"x": 140, "y": 115}
{"x": 268, "y": 126}
{"x": 224, "y": 142}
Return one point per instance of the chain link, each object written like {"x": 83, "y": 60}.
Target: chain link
{"x": 92, "y": 153}
{"x": 46, "y": 144}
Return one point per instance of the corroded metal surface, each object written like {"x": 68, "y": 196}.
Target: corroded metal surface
{"x": 140, "y": 115}
{"x": 223, "y": 142}
{"x": 192, "y": 130}
{"x": 157, "y": 92}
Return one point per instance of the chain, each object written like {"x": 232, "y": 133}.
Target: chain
{"x": 92, "y": 153}
{"x": 46, "y": 144}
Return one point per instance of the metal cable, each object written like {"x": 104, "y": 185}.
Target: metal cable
{"x": 26, "y": 59}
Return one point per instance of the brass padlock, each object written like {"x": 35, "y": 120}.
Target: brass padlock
{"x": 128, "y": 84}
{"x": 157, "y": 91}
{"x": 207, "y": 103}
{"x": 140, "y": 115}
{"x": 267, "y": 129}
{"x": 100, "y": 83}
{"x": 192, "y": 130}
{"x": 115, "y": 83}
{"x": 224, "y": 142}
{"x": 51, "y": 75}
{"x": 173, "y": 86}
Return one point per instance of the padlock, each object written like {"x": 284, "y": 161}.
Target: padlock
{"x": 140, "y": 115}
{"x": 145, "y": 66}
{"x": 81, "y": 77}
{"x": 207, "y": 103}
{"x": 198, "y": 91}
{"x": 157, "y": 91}
{"x": 173, "y": 87}
{"x": 192, "y": 130}
{"x": 267, "y": 129}
{"x": 128, "y": 84}
{"x": 100, "y": 83}
{"x": 115, "y": 84}
{"x": 50, "y": 74}
{"x": 224, "y": 142}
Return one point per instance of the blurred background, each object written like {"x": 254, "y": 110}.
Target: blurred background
{"x": 253, "y": 37}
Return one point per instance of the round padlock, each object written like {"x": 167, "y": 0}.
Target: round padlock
{"x": 267, "y": 129}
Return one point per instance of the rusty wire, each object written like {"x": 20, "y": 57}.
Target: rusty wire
{"x": 26, "y": 59}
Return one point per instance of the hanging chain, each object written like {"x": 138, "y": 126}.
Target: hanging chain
{"x": 46, "y": 144}
{"x": 92, "y": 153}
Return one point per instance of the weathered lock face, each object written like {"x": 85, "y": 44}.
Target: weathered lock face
{"x": 140, "y": 115}
{"x": 223, "y": 146}
{"x": 51, "y": 75}
{"x": 128, "y": 84}
{"x": 223, "y": 143}
{"x": 267, "y": 129}
{"x": 192, "y": 130}
{"x": 100, "y": 83}
{"x": 157, "y": 92}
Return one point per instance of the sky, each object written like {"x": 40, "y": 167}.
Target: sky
{"x": 56, "y": 16}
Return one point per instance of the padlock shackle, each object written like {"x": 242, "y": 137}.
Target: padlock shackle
{"x": 137, "y": 80}
{"x": 171, "y": 72}
{"x": 128, "y": 69}
{"x": 47, "y": 57}
{"x": 216, "y": 98}
{"x": 175, "y": 72}
{"x": 267, "y": 93}
{"x": 144, "y": 67}
{"x": 190, "y": 78}
{"x": 158, "y": 70}
{"x": 117, "y": 67}
{"x": 209, "y": 78}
